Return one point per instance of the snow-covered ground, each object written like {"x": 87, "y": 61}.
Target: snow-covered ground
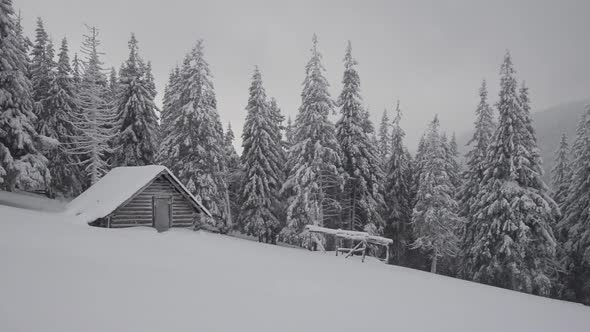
{"x": 31, "y": 201}
{"x": 57, "y": 275}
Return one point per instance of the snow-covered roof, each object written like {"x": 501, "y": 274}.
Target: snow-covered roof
{"x": 116, "y": 188}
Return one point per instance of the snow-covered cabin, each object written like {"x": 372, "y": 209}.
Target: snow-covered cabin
{"x": 138, "y": 196}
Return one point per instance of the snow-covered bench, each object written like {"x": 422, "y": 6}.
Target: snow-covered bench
{"x": 363, "y": 240}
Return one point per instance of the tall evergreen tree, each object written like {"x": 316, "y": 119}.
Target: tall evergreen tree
{"x": 41, "y": 64}
{"x": 77, "y": 69}
{"x": 114, "y": 85}
{"x": 59, "y": 125}
{"x": 384, "y": 143}
{"x": 192, "y": 146}
{"x": 418, "y": 164}
{"x": 25, "y": 41}
{"x": 509, "y": 241}
{"x": 359, "y": 156}
{"x": 93, "y": 120}
{"x": 475, "y": 158}
{"x": 277, "y": 120}
{"x": 574, "y": 228}
{"x": 315, "y": 173}
{"x": 525, "y": 104}
{"x": 21, "y": 163}
{"x": 367, "y": 124}
{"x": 261, "y": 158}
{"x": 434, "y": 218}
{"x": 288, "y": 234}
{"x": 561, "y": 171}
{"x": 277, "y": 128}
{"x": 289, "y": 134}
{"x": 150, "y": 79}
{"x": 398, "y": 198}
{"x": 233, "y": 160}
{"x": 166, "y": 115}
{"x": 136, "y": 130}
{"x": 42, "y": 73}
{"x": 234, "y": 172}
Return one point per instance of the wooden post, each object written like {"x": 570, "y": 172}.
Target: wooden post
{"x": 364, "y": 251}
{"x": 352, "y": 251}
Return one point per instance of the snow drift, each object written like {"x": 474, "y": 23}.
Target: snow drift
{"x": 60, "y": 276}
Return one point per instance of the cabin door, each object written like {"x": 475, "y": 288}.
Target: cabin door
{"x": 162, "y": 212}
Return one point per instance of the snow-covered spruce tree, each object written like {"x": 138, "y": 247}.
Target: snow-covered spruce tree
{"x": 475, "y": 158}
{"x": 277, "y": 129}
{"x": 113, "y": 89}
{"x": 277, "y": 120}
{"x": 368, "y": 125}
{"x": 288, "y": 234}
{"x": 452, "y": 166}
{"x": 168, "y": 107}
{"x": 25, "y": 41}
{"x": 509, "y": 241}
{"x": 315, "y": 175}
{"x": 234, "y": 174}
{"x": 233, "y": 159}
{"x": 398, "y": 200}
{"x": 456, "y": 170}
{"x": 21, "y": 164}
{"x": 417, "y": 164}
{"x": 66, "y": 175}
{"x": 362, "y": 197}
{"x": 384, "y": 143}
{"x": 574, "y": 228}
{"x": 150, "y": 79}
{"x": 93, "y": 119}
{"x": 525, "y": 104}
{"x": 136, "y": 131}
{"x": 562, "y": 171}
{"x": 77, "y": 69}
{"x": 261, "y": 159}
{"x": 192, "y": 146}
{"x": 434, "y": 219}
{"x": 41, "y": 71}
{"x": 289, "y": 134}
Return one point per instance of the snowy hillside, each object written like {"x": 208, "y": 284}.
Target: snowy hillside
{"x": 30, "y": 201}
{"x": 61, "y": 276}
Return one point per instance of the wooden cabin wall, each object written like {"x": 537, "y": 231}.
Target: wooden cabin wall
{"x": 139, "y": 211}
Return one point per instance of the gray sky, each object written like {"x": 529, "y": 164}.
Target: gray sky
{"x": 432, "y": 55}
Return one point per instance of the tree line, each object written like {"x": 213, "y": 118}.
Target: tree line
{"x": 491, "y": 219}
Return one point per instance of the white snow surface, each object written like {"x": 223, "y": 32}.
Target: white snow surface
{"x": 31, "y": 201}
{"x": 66, "y": 277}
{"x": 114, "y": 189}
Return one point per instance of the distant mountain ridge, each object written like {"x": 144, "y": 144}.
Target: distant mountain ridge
{"x": 549, "y": 124}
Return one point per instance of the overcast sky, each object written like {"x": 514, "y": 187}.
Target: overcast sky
{"x": 432, "y": 55}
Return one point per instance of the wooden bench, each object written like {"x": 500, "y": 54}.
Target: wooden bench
{"x": 363, "y": 240}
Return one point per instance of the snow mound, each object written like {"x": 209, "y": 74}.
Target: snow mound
{"x": 30, "y": 201}
{"x": 63, "y": 277}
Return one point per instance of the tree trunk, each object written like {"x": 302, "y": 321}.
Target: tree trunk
{"x": 352, "y": 207}
{"x": 228, "y": 208}
{"x": 433, "y": 265}
{"x": 352, "y": 211}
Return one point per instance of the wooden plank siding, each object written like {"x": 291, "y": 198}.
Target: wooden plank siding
{"x": 139, "y": 211}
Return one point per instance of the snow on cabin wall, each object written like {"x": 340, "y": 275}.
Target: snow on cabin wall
{"x": 139, "y": 211}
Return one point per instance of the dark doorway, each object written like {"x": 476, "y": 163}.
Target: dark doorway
{"x": 162, "y": 212}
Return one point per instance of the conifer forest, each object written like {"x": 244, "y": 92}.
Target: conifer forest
{"x": 486, "y": 212}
